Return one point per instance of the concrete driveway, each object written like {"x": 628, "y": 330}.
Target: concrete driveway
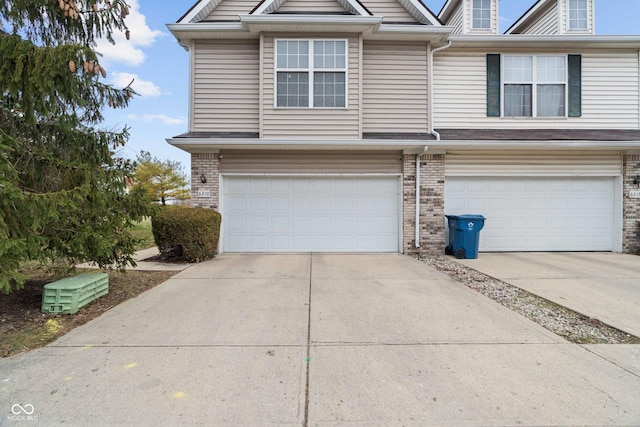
{"x": 602, "y": 285}
{"x": 371, "y": 340}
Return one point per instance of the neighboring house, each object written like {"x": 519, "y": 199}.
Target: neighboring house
{"x": 315, "y": 123}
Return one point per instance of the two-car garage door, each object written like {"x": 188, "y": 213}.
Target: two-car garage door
{"x": 562, "y": 201}
{"x": 537, "y": 214}
{"x": 311, "y": 214}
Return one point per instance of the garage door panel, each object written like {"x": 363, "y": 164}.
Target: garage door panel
{"x": 343, "y": 186}
{"x": 322, "y": 223}
{"x": 257, "y": 186}
{"x": 258, "y": 224}
{"x": 279, "y": 242}
{"x": 537, "y": 214}
{"x": 302, "y": 214}
{"x": 301, "y": 187}
{"x": 301, "y": 223}
{"x": 365, "y": 223}
{"x": 322, "y": 187}
{"x": 322, "y": 204}
{"x": 278, "y": 203}
{"x": 343, "y": 223}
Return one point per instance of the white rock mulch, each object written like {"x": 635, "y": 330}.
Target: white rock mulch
{"x": 560, "y": 320}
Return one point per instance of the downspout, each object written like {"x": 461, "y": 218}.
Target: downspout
{"x": 432, "y": 131}
{"x": 430, "y": 84}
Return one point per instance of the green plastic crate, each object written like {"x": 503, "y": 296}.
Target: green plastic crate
{"x": 70, "y": 294}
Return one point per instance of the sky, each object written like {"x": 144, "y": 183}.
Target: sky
{"x": 160, "y": 67}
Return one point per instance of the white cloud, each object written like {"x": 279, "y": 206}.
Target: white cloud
{"x": 167, "y": 120}
{"x": 142, "y": 87}
{"x": 130, "y": 51}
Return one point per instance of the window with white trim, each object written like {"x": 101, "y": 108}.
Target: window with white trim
{"x": 534, "y": 86}
{"x": 577, "y": 15}
{"x": 481, "y": 14}
{"x": 311, "y": 73}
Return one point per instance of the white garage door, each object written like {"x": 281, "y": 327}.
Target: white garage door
{"x": 537, "y": 214}
{"x": 310, "y": 214}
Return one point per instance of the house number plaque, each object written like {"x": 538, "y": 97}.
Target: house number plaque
{"x": 204, "y": 193}
{"x": 634, "y": 194}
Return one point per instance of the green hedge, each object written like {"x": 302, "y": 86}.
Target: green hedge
{"x": 186, "y": 234}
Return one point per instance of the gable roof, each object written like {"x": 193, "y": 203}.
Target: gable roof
{"x": 526, "y": 17}
{"x": 200, "y": 10}
{"x": 447, "y": 9}
{"x": 420, "y": 12}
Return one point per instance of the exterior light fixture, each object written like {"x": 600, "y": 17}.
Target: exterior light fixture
{"x": 203, "y": 178}
{"x": 636, "y": 180}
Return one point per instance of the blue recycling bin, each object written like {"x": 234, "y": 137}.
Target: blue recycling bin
{"x": 464, "y": 235}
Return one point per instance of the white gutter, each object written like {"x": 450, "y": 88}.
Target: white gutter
{"x": 425, "y": 148}
{"x": 529, "y": 38}
{"x": 571, "y": 41}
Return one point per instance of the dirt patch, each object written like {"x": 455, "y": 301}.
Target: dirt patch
{"x": 162, "y": 258}
{"x": 24, "y": 327}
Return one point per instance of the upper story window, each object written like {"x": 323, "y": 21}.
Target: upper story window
{"x": 534, "y": 86}
{"x": 577, "y": 15}
{"x": 481, "y": 14}
{"x": 311, "y": 73}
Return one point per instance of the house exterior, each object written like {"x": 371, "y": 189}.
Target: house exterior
{"x": 355, "y": 126}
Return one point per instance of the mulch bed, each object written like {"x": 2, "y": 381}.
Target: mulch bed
{"x": 24, "y": 327}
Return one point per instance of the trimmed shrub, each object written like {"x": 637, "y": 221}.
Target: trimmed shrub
{"x": 186, "y": 234}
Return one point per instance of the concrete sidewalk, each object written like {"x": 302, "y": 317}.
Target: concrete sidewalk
{"x": 371, "y": 340}
{"x": 140, "y": 257}
{"x": 602, "y": 285}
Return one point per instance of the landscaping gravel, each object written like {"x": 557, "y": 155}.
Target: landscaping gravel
{"x": 567, "y": 323}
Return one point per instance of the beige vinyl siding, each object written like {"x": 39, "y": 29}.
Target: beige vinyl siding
{"x": 610, "y": 89}
{"x": 395, "y": 87}
{"x": 310, "y": 123}
{"x": 229, "y": 10}
{"x": 456, "y": 20}
{"x": 547, "y": 24}
{"x": 226, "y": 86}
{"x": 310, "y": 162}
{"x": 390, "y": 9}
{"x": 311, "y": 6}
{"x": 609, "y": 92}
{"x": 533, "y": 163}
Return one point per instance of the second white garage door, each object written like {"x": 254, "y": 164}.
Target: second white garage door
{"x": 537, "y": 214}
{"x": 310, "y": 214}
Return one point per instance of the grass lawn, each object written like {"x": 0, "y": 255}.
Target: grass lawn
{"x": 142, "y": 230}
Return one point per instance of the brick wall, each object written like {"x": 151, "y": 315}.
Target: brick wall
{"x": 207, "y": 164}
{"x": 630, "y": 207}
{"x": 409, "y": 203}
{"x": 431, "y": 203}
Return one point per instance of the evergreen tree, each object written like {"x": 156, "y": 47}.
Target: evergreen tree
{"x": 160, "y": 179}
{"x": 62, "y": 188}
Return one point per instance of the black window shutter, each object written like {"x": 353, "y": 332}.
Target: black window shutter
{"x": 493, "y": 85}
{"x": 575, "y": 85}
